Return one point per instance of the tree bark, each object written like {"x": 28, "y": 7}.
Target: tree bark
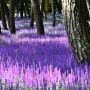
{"x": 32, "y": 18}
{"x": 6, "y": 9}
{"x": 76, "y": 14}
{"x": 59, "y": 7}
{"x": 0, "y": 25}
{"x": 27, "y": 3}
{"x": 88, "y": 5}
{"x": 42, "y": 7}
{"x": 0, "y": 14}
{"x": 38, "y": 17}
{"x": 3, "y": 15}
{"x": 21, "y": 8}
{"x": 54, "y": 12}
{"x": 12, "y": 20}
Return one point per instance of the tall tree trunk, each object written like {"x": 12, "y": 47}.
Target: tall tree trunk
{"x": 53, "y": 12}
{"x": 32, "y": 18}
{"x": 0, "y": 14}
{"x": 21, "y": 8}
{"x": 3, "y": 15}
{"x": 0, "y": 29}
{"x": 88, "y": 5}
{"x": 59, "y": 7}
{"x": 78, "y": 30}
{"x": 38, "y": 17}
{"x": 6, "y": 9}
{"x": 12, "y": 20}
{"x": 45, "y": 15}
{"x": 42, "y": 6}
{"x": 27, "y": 3}
{"x": 0, "y": 19}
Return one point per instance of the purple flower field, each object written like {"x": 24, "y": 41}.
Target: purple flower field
{"x": 40, "y": 62}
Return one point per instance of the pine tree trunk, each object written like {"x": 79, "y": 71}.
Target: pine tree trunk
{"x": 38, "y": 17}
{"x": 12, "y": 21}
{"x": 78, "y": 30}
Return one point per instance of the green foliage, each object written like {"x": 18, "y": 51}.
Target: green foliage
{"x": 31, "y": 88}
{"x": 50, "y": 1}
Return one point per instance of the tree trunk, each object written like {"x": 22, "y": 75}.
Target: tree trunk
{"x": 0, "y": 25}
{"x": 3, "y": 15}
{"x": 6, "y": 9}
{"x": 21, "y": 8}
{"x": 12, "y": 21}
{"x": 53, "y": 12}
{"x": 32, "y": 18}
{"x": 59, "y": 7}
{"x": 0, "y": 29}
{"x": 78, "y": 30}
{"x": 27, "y": 8}
{"x": 0, "y": 14}
{"x": 88, "y": 5}
{"x": 38, "y": 17}
{"x": 42, "y": 7}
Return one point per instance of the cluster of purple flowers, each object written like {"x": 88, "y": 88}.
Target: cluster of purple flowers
{"x": 31, "y": 60}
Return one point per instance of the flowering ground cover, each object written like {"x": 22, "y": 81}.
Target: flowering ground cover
{"x": 40, "y": 62}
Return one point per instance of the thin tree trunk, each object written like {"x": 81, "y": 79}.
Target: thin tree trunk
{"x": 0, "y": 25}
{"x": 38, "y": 17}
{"x": 78, "y": 30}
{"x": 27, "y": 7}
{"x": 32, "y": 18}
{"x": 6, "y": 13}
{"x": 88, "y": 6}
{"x": 3, "y": 15}
{"x": 53, "y": 12}
{"x": 42, "y": 7}
{"x": 12, "y": 20}
{"x": 22, "y": 8}
{"x": 0, "y": 29}
{"x": 0, "y": 14}
{"x": 45, "y": 15}
{"x": 59, "y": 7}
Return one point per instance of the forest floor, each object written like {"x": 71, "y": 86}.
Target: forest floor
{"x": 37, "y": 58}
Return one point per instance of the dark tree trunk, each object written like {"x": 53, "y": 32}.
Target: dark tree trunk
{"x": 0, "y": 29}
{"x": 3, "y": 15}
{"x": 6, "y": 9}
{"x": 45, "y": 15}
{"x": 53, "y": 12}
{"x": 12, "y": 20}
{"x": 0, "y": 14}
{"x": 0, "y": 25}
{"x": 59, "y": 7}
{"x": 38, "y": 17}
{"x": 32, "y": 18}
{"x": 27, "y": 7}
{"x": 88, "y": 6}
{"x": 42, "y": 7}
{"x": 21, "y": 8}
{"x": 78, "y": 30}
